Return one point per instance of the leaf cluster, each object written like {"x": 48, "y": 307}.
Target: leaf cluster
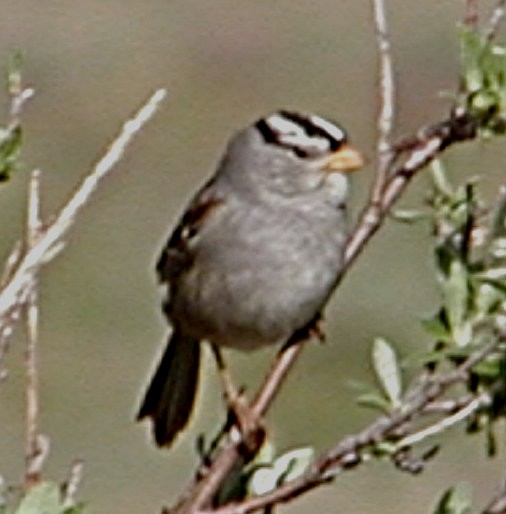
{"x": 483, "y": 81}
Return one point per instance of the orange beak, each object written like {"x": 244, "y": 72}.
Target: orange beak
{"x": 346, "y": 159}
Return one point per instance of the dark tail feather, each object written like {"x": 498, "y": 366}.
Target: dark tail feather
{"x": 171, "y": 394}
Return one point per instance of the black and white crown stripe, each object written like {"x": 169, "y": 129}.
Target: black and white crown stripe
{"x": 303, "y": 134}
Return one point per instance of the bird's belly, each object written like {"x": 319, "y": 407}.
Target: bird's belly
{"x": 249, "y": 307}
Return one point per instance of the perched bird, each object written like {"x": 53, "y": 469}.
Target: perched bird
{"x": 256, "y": 255}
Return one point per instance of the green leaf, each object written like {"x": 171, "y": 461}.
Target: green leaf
{"x": 455, "y": 300}
{"x": 489, "y": 369}
{"x": 437, "y": 328}
{"x": 498, "y": 247}
{"x": 374, "y": 400}
{"x": 385, "y": 448}
{"x": 483, "y": 79}
{"x": 408, "y": 216}
{"x": 43, "y": 498}
{"x": 499, "y": 217}
{"x": 76, "y": 509}
{"x": 456, "y": 500}
{"x": 440, "y": 181}
{"x": 386, "y": 366}
{"x": 10, "y": 147}
{"x": 471, "y": 51}
{"x": 288, "y": 466}
{"x": 14, "y": 72}
{"x": 293, "y": 464}
{"x": 489, "y": 294}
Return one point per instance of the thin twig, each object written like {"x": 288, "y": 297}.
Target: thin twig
{"x": 15, "y": 292}
{"x": 9, "y": 268}
{"x": 280, "y": 369}
{"x": 18, "y": 100}
{"x": 471, "y": 17}
{"x": 495, "y": 20}
{"x": 387, "y": 101}
{"x": 19, "y": 95}
{"x": 445, "y": 423}
{"x": 32, "y": 451}
{"x": 355, "y": 449}
{"x": 70, "y": 487}
{"x": 34, "y": 465}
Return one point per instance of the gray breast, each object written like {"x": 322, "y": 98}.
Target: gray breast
{"x": 262, "y": 275}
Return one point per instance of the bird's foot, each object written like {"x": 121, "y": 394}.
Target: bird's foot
{"x": 247, "y": 427}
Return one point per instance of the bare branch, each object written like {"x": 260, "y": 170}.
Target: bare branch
{"x": 6, "y": 331}
{"x": 19, "y": 99}
{"x": 471, "y": 17}
{"x": 495, "y": 20}
{"x": 16, "y": 290}
{"x": 33, "y": 453}
{"x": 387, "y": 101}
{"x": 18, "y": 94}
{"x": 417, "y": 151}
{"x": 355, "y": 449}
{"x": 70, "y": 487}
{"x": 34, "y": 466}
{"x": 445, "y": 423}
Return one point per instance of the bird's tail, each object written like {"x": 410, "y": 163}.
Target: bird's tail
{"x": 171, "y": 393}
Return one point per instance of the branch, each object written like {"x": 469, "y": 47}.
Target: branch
{"x": 34, "y": 445}
{"x": 471, "y": 17}
{"x": 18, "y": 96}
{"x": 463, "y": 413}
{"x": 358, "y": 448}
{"x": 17, "y": 287}
{"x": 387, "y": 101}
{"x": 495, "y": 20}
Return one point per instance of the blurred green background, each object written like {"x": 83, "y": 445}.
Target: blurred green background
{"x": 224, "y": 63}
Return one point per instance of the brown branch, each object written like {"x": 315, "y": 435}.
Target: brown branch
{"x": 355, "y": 449}
{"x": 471, "y": 16}
{"x": 417, "y": 152}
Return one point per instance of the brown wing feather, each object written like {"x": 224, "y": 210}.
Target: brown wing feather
{"x": 177, "y": 254}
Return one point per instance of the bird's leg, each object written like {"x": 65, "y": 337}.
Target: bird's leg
{"x": 240, "y": 412}
{"x": 231, "y": 392}
{"x": 312, "y": 329}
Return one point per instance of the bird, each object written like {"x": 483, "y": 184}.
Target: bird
{"x": 256, "y": 254}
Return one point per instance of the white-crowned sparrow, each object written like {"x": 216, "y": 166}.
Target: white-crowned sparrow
{"x": 257, "y": 253}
